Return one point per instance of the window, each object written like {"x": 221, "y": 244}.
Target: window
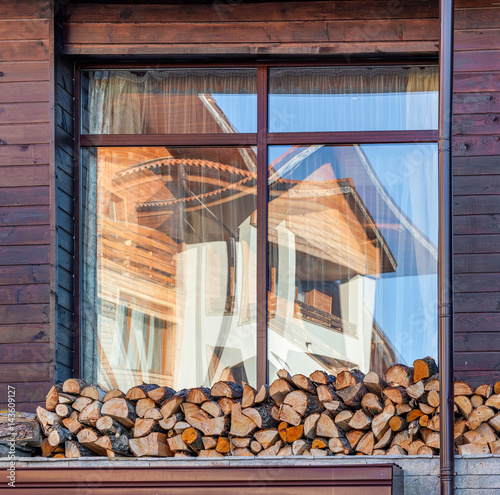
{"x": 240, "y": 220}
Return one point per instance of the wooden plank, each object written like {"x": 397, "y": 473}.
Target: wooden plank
{"x": 32, "y": 154}
{"x": 471, "y": 103}
{"x": 65, "y": 279}
{"x": 166, "y": 33}
{"x": 64, "y": 355}
{"x": 477, "y": 40}
{"x": 24, "y": 294}
{"x": 24, "y": 353}
{"x": 65, "y": 299}
{"x": 473, "y": 263}
{"x": 476, "y": 322}
{"x": 20, "y": 235}
{"x": 24, "y": 196}
{"x": 487, "y": 282}
{"x": 476, "y": 81}
{"x": 477, "y": 341}
{"x": 11, "y": 134}
{"x": 24, "y": 215}
{"x": 24, "y": 274}
{"x": 476, "y": 224}
{"x": 26, "y": 391}
{"x": 475, "y": 165}
{"x": 23, "y": 51}
{"x": 24, "y": 175}
{"x": 475, "y": 244}
{"x": 23, "y": 72}
{"x": 242, "y": 11}
{"x": 29, "y": 407}
{"x": 476, "y": 145}
{"x": 19, "y": 113}
{"x": 26, "y": 29}
{"x": 416, "y": 48}
{"x": 23, "y": 255}
{"x": 31, "y": 313}
{"x": 25, "y": 372}
{"x": 477, "y": 302}
{"x": 474, "y": 18}
{"x": 471, "y": 185}
{"x": 476, "y": 124}
{"x": 25, "y": 92}
{"x": 485, "y": 361}
{"x": 10, "y": 334}
{"x": 476, "y": 61}
{"x": 25, "y": 9}
{"x": 475, "y": 205}
{"x": 476, "y": 378}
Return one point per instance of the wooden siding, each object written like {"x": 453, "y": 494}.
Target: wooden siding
{"x": 26, "y": 219}
{"x": 476, "y": 149}
{"x": 244, "y": 28}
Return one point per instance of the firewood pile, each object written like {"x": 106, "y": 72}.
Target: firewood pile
{"x": 322, "y": 414}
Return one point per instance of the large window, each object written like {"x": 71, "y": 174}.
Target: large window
{"x": 240, "y": 220}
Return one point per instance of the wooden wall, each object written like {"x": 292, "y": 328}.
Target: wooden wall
{"x": 476, "y": 149}
{"x": 26, "y": 202}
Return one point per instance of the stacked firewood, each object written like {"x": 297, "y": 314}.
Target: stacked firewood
{"x": 320, "y": 414}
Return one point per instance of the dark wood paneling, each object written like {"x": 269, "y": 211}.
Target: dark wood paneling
{"x": 26, "y": 392}
{"x": 477, "y": 322}
{"x": 25, "y": 9}
{"x": 31, "y": 29}
{"x": 476, "y": 145}
{"x": 477, "y": 244}
{"x": 476, "y": 224}
{"x": 24, "y": 71}
{"x": 477, "y": 302}
{"x": 475, "y": 165}
{"x": 480, "y": 361}
{"x": 25, "y": 372}
{"x": 23, "y": 51}
{"x": 476, "y": 81}
{"x": 15, "y": 113}
{"x": 478, "y": 60}
{"x": 23, "y": 255}
{"x": 25, "y": 92}
{"x": 11, "y": 334}
{"x": 468, "y": 282}
{"x": 476, "y": 205}
{"x": 24, "y": 294}
{"x": 29, "y": 313}
{"x": 24, "y": 353}
{"x": 24, "y": 176}
{"x": 24, "y": 155}
{"x": 472, "y": 263}
{"x": 29, "y": 407}
{"x": 474, "y": 18}
{"x": 24, "y": 274}
{"x": 476, "y": 378}
{"x": 20, "y": 236}
{"x": 471, "y": 103}
{"x": 24, "y": 133}
{"x": 477, "y": 124}
{"x": 477, "y": 342}
{"x": 24, "y": 196}
{"x": 473, "y": 185}
{"x": 24, "y": 215}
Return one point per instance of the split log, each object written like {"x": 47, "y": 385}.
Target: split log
{"x": 495, "y": 447}
{"x": 208, "y": 443}
{"x": 109, "y": 427}
{"x": 226, "y": 405}
{"x": 353, "y": 437}
{"x": 279, "y": 389}
{"x": 342, "y": 420}
{"x": 144, "y": 427}
{"x": 473, "y": 449}
{"x": 462, "y": 388}
{"x": 366, "y": 443}
{"x": 290, "y": 433}
{"x": 478, "y": 416}
{"x": 319, "y": 443}
{"x": 371, "y": 404}
{"x": 380, "y": 423}
{"x": 212, "y": 408}
{"x": 384, "y": 440}
{"x": 399, "y": 375}
{"x": 88, "y": 438}
{"x": 47, "y": 449}
{"x": 66, "y": 398}
{"x": 300, "y": 446}
{"x": 113, "y": 394}
{"x": 121, "y": 410}
{"x": 425, "y": 450}
{"x": 47, "y": 419}
{"x": 319, "y": 452}
{"x": 81, "y": 403}
{"x": 493, "y": 401}
{"x": 434, "y": 423}
{"x": 267, "y": 438}
{"x": 303, "y": 403}
{"x": 413, "y": 415}
{"x": 193, "y": 439}
{"x": 91, "y": 413}
{"x": 226, "y": 389}
{"x": 424, "y": 368}
{"x": 21, "y": 428}
{"x": 396, "y": 450}
{"x": 477, "y": 400}
{"x": 495, "y": 423}
{"x": 142, "y": 405}
{"x": 322, "y": 378}
{"x": 179, "y": 428}
{"x": 397, "y": 394}
{"x": 153, "y": 413}
{"x": 485, "y": 391}
{"x": 397, "y": 423}
{"x": 304, "y": 383}
{"x": 173, "y": 403}
{"x": 240, "y": 443}
{"x": 334, "y": 407}
{"x": 261, "y": 415}
{"x": 416, "y": 391}
{"x": 425, "y": 408}
{"x": 433, "y": 398}
{"x": 289, "y": 415}
{"x": 190, "y": 409}
{"x": 255, "y": 447}
{"x": 52, "y": 397}
{"x": 263, "y": 394}
{"x": 63, "y": 410}
{"x": 340, "y": 446}
{"x": 432, "y": 384}
{"x": 415, "y": 446}
{"x": 241, "y": 425}
{"x": 161, "y": 394}
{"x": 118, "y": 445}
{"x": 59, "y": 435}
{"x": 352, "y": 395}
{"x": 248, "y": 397}
{"x": 459, "y": 428}
{"x": 198, "y": 395}
{"x": 72, "y": 423}
{"x": 74, "y": 449}
{"x": 325, "y": 427}
{"x": 93, "y": 392}
{"x": 346, "y": 379}
{"x": 73, "y": 386}
{"x": 374, "y": 383}
{"x": 482, "y": 434}
{"x": 432, "y": 439}
{"x": 272, "y": 450}
{"x": 326, "y": 393}
{"x": 140, "y": 391}
{"x": 285, "y": 451}
{"x": 496, "y": 388}
{"x": 155, "y": 444}
{"x": 360, "y": 421}
{"x": 209, "y": 453}
{"x": 403, "y": 439}
{"x": 402, "y": 409}
{"x": 169, "y": 423}
{"x": 284, "y": 375}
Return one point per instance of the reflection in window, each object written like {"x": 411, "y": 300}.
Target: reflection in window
{"x": 353, "y": 257}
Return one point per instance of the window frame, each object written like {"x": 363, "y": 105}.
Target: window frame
{"x": 261, "y": 139}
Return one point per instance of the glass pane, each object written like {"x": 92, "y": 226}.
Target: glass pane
{"x": 352, "y": 256}
{"x": 173, "y": 101}
{"x": 353, "y": 99}
{"x": 169, "y": 263}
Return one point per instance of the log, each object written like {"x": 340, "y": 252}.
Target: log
{"x": 424, "y": 368}
{"x": 322, "y": 378}
{"x": 153, "y": 413}
{"x": 346, "y": 379}
{"x": 434, "y": 423}
{"x": 59, "y": 435}
{"x": 371, "y": 404}
{"x": 396, "y": 450}
{"x": 397, "y": 394}
{"x": 432, "y": 384}
{"x": 473, "y": 449}
{"x": 319, "y": 443}
{"x": 93, "y": 392}
{"x": 413, "y": 415}
{"x": 198, "y": 395}
{"x": 226, "y": 405}
{"x": 47, "y": 419}
{"x": 261, "y": 415}
{"x": 415, "y": 446}
{"x": 403, "y": 439}
{"x": 477, "y": 400}
{"x": 366, "y": 443}
{"x": 300, "y": 446}
{"x": 240, "y": 443}
{"x": 402, "y": 409}
{"x": 73, "y": 386}
{"x": 285, "y": 451}
{"x": 142, "y": 405}
{"x": 241, "y": 425}
{"x": 263, "y": 394}
{"x": 495, "y": 447}
{"x": 459, "y": 428}
{"x": 334, "y": 407}
{"x": 72, "y": 423}
{"x": 482, "y": 434}
{"x": 88, "y": 438}
{"x": 397, "y": 423}
{"x": 496, "y": 388}
{"x": 121, "y": 410}
{"x": 109, "y": 427}
{"x": 353, "y": 437}
{"x": 212, "y": 408}
{"x": 319, "y": 452}
{"x": 462, "y": 388}
{"x": 190, "y": 409}
{"x": 267, "y": 438}
{"x": 326, "y": 393}
{"x": 425, "y": 408}
{"x": 144, "y": 427}
{"x": 255, "y": 447}
{"x": 399, "y": 375}
{"x": 47, "y": 449}
{"x": 279, "y": 389}
{"x": 193, "y": 439}
{"x": 209, "y": 453}
{"x": 173, "y": 404}
{"x": 118, "y": 445}
{"x": 304, "y": 383}
{"x": 360, "y": 421}
{"x": 325, "y": 427}
{"x": 52, "y": 397}
{"x": 284, "y": 375}
{"x": 495, "y": 422}
{"x": 81, "y": 403}
{"x": 161, "y": 394}
{"x": 380, "y": 423}
{"x": 342, "y": 420}
{"x": 155, "y": 445}
{"x": 374, "y": 383}
{"x": 179, "y": 428}
{"x": 303, "y": 403}
{"x": 493, "y": 401}
{"x": 208, "y": 443}
{"x": 21, "y": 428}
{"x": 74, "y": 449}
{"x": 485, "y": 391}
{"x": 248, "y": 397}
{"x": 433, "y": 398}
{"x": 63, "y": 410}
{"x": 384, "y": 440}
{"x": 66, "y": 398}
{"x": 416, "y": 391}
{"x": 289, "y": 415}
{"x": 340, "y": 446}
{"x": 432, "y": 439}
{"x": 113, "y": 394}
{"x": 91, "y": 413}
{"x": 425, "y": 450}
{"x": 272, "y": 450}
{"x": 478, "y": 416}
{"x": 352, "y": 395}
{"x": 140, "y": 391}
{"x": 289, "y": 434}
{"x": 226, "y": 389}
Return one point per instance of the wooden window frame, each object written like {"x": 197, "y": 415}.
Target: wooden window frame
{"x": 261, "y": 139}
